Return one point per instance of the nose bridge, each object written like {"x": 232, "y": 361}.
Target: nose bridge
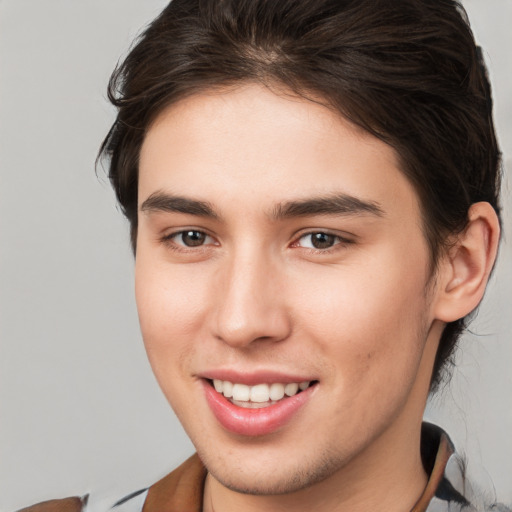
{"x": 250, "y": 306}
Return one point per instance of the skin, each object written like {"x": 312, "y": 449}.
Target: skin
{"x": 362, "y": 317}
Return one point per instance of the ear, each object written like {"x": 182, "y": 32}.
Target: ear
{"x": 465, "y": 269}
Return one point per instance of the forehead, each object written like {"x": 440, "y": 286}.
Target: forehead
{"x": 270, "y": 146}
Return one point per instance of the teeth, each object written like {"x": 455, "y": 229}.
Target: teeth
{"x": 227, "y": 389}
{"x": 291, "y": 389}
{"x": 259, "y": 394}
{"x": 241, "y": 392}
{"x": 276, "y": 391}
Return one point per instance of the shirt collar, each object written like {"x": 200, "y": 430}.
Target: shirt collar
{"x": 183, "y": 488}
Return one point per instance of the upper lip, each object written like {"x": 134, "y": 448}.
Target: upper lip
{"x": 251, "y": 378}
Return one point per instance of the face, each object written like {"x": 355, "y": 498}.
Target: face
{"x": 281, "y": 283}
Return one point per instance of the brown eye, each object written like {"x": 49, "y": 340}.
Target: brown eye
{"x": 191, "y": 238}
{"x": 318, "y": 240}
{"x": 322, "y": 240}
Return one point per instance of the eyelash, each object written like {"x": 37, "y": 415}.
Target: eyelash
{"x": 168, "y": 241}
{"x": 339, "y": 241}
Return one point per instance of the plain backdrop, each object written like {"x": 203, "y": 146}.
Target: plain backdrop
{"x": 79, "y": 408}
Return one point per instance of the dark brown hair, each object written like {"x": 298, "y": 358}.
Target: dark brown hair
{"x": 407, "y": 71}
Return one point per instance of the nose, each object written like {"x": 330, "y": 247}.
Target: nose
{"x": 251, "y": 303}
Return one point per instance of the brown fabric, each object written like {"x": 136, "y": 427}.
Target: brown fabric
{"x": 182, "y": 490}
{"x": 179, "y": 491}
{"x": 65, "y": 505}
{"x": 444, "y": 452}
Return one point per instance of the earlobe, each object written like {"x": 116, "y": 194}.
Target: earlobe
{"x": 467, "y": 265}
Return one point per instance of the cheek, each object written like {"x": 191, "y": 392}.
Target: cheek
{"x": 370, "y": 320}
{"x": 171, "y": 304}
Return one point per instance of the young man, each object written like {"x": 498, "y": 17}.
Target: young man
{"x": 312, "y": 188}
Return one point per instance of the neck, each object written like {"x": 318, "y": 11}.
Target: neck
{"x": 394, "y": 485}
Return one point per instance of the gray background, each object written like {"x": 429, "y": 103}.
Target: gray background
{"x": 79, "y": 407}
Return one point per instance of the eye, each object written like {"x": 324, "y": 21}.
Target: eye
{"x": 190, "y": 238}
{"x": 319, "y": 240}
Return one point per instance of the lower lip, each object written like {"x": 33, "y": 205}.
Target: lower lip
{"x": 254, "y": 422}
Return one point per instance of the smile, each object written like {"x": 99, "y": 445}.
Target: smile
{"x": 260, "y": 395}
{"x": 257, "y": 409}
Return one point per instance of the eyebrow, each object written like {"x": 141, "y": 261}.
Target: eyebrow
{"x": 337, "y": 204}
{"x": 163, "y": 202}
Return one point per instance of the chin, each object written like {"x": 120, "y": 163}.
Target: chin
{"x": 277, "y": 481}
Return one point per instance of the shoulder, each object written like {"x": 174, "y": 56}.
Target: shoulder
{"x": 180, "y": 490}
{"x": 65, "y": 505}
{"x": 448, "y": 488}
